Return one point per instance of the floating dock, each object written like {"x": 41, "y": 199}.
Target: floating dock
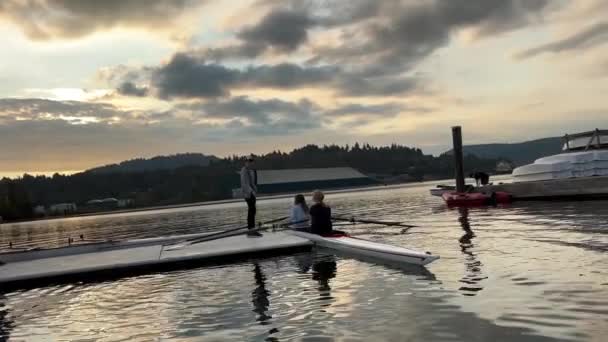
{"x": 34, "y": 269}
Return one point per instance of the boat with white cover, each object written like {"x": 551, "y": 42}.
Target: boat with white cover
{"x": 584, "y": 155}
{"x": 579, "y": 172}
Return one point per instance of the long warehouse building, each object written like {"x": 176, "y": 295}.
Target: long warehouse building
{"x": 299, "y": 180}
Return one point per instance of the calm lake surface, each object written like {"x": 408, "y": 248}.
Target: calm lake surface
{"x": 530, "y": 271}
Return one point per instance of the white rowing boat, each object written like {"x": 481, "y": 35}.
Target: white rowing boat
{"x": 368, "y": 248}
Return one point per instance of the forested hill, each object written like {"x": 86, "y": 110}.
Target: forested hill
{"x": 193, "y": 183}
{"x": 157, "y": 163}
{"x": 519, "y": 153}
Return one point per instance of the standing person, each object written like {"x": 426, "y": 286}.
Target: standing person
{"x": 249, "y": 188}
{"x": 299, "y": 216}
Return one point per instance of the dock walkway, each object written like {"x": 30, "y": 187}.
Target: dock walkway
{"x": 116, "y": 262}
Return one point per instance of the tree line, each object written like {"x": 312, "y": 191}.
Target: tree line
{"x": 193, "y": 183}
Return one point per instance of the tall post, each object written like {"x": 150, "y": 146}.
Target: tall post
{"x": 458, "y": 159}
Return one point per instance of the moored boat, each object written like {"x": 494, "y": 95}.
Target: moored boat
{"x": 440, "y": 189}
{"x": 583, "y": 155}
{"x": 579, "y": 172}
{"x": 475, "y": 198}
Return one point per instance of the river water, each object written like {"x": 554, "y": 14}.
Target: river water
{"x": 530, "y": 271}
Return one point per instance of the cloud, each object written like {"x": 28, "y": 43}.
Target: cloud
{"x": 591, "y": 36}
{"x": 260, "y": 111}
{"x": 130, "y": 89}
{"x": 70, "y": 19}
{"x": 376, "y": 110}
{"x": 288, "y": 76}
{"x": 362, "y": 85}
{"x": 379, "y": 45}
{"x": 191, "y": 76}
{"x": 188, "y": 76}
{"x": 280, "y": 29}
{"x": 43, "y": 110}
{"x": 285, "y": 27}
{"x": 45, "y": 135}
{"x": 404, "y": 33}
{"x": 248, "y": 117}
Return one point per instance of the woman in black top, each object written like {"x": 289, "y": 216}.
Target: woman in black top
{"x": 320, "y": 215}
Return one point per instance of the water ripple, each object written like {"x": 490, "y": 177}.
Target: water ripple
{"x": 529, "y": 271}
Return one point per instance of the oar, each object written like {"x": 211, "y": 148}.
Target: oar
{"x": 223, "y": 234}
{"x": 386, "y": 223}
{"x": 211, "y": 235}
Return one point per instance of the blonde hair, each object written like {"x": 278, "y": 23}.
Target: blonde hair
{"x": 317, "y": 196}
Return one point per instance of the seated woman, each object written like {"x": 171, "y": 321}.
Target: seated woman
{"x": 299, "y": 217}
{"x": 320, "y": 216}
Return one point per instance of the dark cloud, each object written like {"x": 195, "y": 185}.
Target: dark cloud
{"x": 285, "y": 28}
{"x": 361, "y": 85}
{"x": 356, "y": 109}
{"x": 281, "y": 29}
{"x": 248, "y": 117}
{"x": 589, "y": 37}
{"x": 51, "y": 19}
{"x": 41, "y": 109}
{"x": 188, "y": 76}
{"x": 288, "y": 76}
{"x": 130, "y": 89}
{"x": 260, "y": 111}
{"x": 406, "y": 33}
{"x": 380, "y": 43}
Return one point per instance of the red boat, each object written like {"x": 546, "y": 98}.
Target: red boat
{"x": 462, "y": 199}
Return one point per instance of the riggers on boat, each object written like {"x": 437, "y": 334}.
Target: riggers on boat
{"x": 366, "y": 248}
{"x": 472, "y": 199}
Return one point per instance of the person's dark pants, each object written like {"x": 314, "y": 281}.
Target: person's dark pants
{"x": 250, "y": 211}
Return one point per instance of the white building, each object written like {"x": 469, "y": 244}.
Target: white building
{"x": 39, "y": 210}
{"x": 62, "y": 208}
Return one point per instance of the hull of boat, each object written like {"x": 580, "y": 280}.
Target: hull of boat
{"x": 370, "y": 249}
{"x": 473, "y": 199}
{"x": 439, "y": 192}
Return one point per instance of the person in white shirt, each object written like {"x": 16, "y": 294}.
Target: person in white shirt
{"x": 249, "y": 182}
{"x": 299, "y": 216}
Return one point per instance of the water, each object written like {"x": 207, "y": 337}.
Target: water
{"x": 530, "y": 271}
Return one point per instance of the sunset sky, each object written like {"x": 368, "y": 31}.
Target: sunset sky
{"x": 85, "y": 83}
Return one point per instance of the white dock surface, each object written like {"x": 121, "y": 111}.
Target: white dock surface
{"x": 79, "y": 264}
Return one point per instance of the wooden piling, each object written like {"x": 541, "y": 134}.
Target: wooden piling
{"x": 458, "y": 159}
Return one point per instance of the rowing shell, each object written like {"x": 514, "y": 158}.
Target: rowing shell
{"x": 368, "y": 248}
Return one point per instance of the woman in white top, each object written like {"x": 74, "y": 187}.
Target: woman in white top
{"x": 299, "y": 216}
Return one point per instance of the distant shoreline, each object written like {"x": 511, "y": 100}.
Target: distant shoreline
{"x": 208, "y": 203}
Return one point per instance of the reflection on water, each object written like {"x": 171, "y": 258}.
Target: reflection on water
{"x": 473, "y": 276}
{"x": 259, "y": 296}
{"x": 530, "y": 271}
{"x": 5, "y": 322}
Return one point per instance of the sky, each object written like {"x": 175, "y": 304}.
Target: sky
{"x": 85, "y": 83}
